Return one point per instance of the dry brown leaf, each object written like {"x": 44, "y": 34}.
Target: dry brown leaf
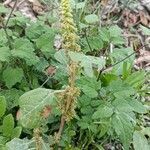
{"x": 46, "y": 111}
{"x": 51, "y": 70}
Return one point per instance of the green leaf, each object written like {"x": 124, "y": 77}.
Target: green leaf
{"x": 61, "y": 57}
{"x": 34, "y": 31}
{"x": 123, "y": 128}
{"x": 95, "y": 42}
{"x": 16, "y": 132}
{"x": 91, "y": 19}
{"x": 140, "y": 142}
{"x": 2, "y": 106}
{"x": 115, "y": 31}
{"x": 46, "y": 42}
{"x": 3, "y": 38}
{"x": 90, "y": 92}
{"x": 11, "y": 76}
{"x": 24, "y": 49}
{"x": 89, "y": 86}
{"x": 137, "y": 106}
{"x": 8, "y": 125}
{"x": 4, "y": 54}
{"x": 19, "y": 144}
{"x": 12, "y": 97}
{"x": 32, "y": 104}
{"x": 103, "y": 111}
{"x": 136, "y": 79}
{"x": 121, "y": 89}
{"x": 88, "y": 62}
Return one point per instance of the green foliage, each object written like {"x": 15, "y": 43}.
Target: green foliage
{"x": 2, "y": 106}
{"x": 32, "y": 104}
{"x": 109, "y": 108}
{"x": 11, "y": 76}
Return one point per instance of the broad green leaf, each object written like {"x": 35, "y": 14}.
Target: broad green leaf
{"x": 95, "y": 43}
{"x": 89, "y": 86}
{"x": 16, "y": 132}
{"x": 121, "y": 89}
{"x": 20, "y": 144}
{"x": 91, "y": 19}
{"x": 123, "y": 128}
{"x": 140, "y": 142}
{"x": 12, "y": 96}
{"x": 4, "y": 54}
{"x": 137, "y": 106}
{"x": 42, "y": 64}
{"x": 136, "y": 79}
{"x": 90, "y": 92}
{"x": 8, "y": 125}
{"x": 115, "y": 31}
{"x": 24, "y": 49}
{"x": 88, "y": 62}
{"x": 122, "y": 105}
{"x": 32, "y": 104}
{"x": 2, "y": 106}
{"x": 61, "y": 57}
{"x": 11, "y": 76}
{"x": 34, "y": 31}
{"x": 103, "y": 111}
{"x": 46, "y": 42}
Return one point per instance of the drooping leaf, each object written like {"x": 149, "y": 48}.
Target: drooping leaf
{"x": 2, "y": 106}
{"x": 140, "y": 142}
{"x": 11, "y": 76}
{"x": 32, "y": 104}
{"x": 8, "y": 125}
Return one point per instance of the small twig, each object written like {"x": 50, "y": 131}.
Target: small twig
{"x": 45, "y": 81}
{"x": 61, "y": 127}
{"x": 102, "y": 70}
{"x": 9, "y": 16}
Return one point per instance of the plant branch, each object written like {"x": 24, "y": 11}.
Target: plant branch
{"x": 61, "y": 127}
{"x": 102, "y": 70}
{"x": 12, "y": 10}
